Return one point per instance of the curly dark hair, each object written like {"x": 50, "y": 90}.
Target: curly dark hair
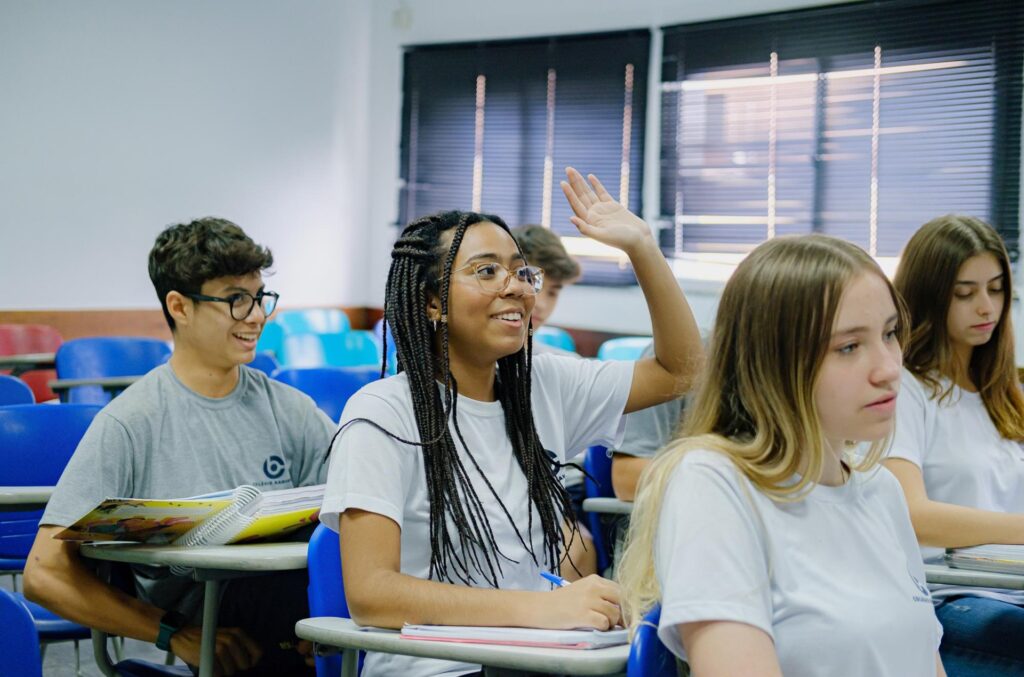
{"x": 186, "y": 255}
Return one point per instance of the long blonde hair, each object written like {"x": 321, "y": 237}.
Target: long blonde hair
{"x": 755, "y": 399}
{"x": 926, "y": 277}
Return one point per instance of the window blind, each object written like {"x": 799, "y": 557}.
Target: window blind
{"x": 490, "y": 127}
{"x": 861, "y": 121}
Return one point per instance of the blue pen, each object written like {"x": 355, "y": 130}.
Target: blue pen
{"x": 556, "y": 580}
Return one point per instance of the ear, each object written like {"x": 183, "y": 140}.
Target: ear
{"x": 180, "y": 307}
{"x": 433, "y": 309}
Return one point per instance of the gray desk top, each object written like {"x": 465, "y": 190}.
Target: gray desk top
{"x": 107, "y": 382}
{"x": 345, "y": 634}
{"x": 942, "y": 574}
{"x": 19, "y": 364}
{"x": 248, "y": 557}
{"x": 25, "y": 498}
{"x": 608, "y": 505}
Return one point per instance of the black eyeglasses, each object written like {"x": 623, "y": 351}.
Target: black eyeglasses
{"x": 242, "y": 303}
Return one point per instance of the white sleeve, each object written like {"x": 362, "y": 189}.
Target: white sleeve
{"x": 369, "y": 470}
{"x": 709, "y": 554}
{"x": 592, "y": 396}
{"x": 911, "y": 438}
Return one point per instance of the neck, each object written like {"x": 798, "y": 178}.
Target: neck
{"x": 833, "y": 472}
{"x": 203, "y": 379}
{"x": 961, "y": 375}
{"x": 476, "y": 381}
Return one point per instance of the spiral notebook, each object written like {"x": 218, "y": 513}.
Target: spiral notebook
{"x": 563, "y": 639}
{"x": 236, "y": 516}
{"x": 1000, "y": 559}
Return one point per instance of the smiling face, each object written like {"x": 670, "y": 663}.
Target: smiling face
{"x": 484, "y": 326}
{"x": 856, "y": 387}
{"x": 977, "y": 302}
{"x": 219, "y": 340}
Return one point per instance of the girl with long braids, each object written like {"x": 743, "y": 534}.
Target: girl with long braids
{"x": 959, "y": 428}
{"x": 444, "y": 478}
{"x": 771, "y": 545}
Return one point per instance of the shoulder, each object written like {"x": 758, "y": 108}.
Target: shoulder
{"x": 389, "y": 398}
{"x": 140, "y": 401}
{"x": 880, "y": 484}
{"x": 280, "y": 394}
{"x": 709, "y": 468}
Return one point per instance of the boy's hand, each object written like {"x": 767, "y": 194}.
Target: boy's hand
{"x": 591, "y": 602}
{"x": 235, "y": 651}
{"x": 599, "y": 216}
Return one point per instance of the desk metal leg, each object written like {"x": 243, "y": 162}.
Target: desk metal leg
{"x": 211, "y": 600}
{"x": 349, "y": 663}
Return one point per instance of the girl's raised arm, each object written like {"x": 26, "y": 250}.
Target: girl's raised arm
{"x": 678, "y": 353}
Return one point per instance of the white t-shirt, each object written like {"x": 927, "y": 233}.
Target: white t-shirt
{"x": 835, "y": 578}
{"x": 576, "y": 403}
{"x": 962, "y": 457}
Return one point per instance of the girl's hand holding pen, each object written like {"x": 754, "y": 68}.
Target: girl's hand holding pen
{"x": 591, "y": 602}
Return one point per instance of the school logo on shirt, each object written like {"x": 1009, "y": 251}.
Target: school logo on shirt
{"x": 273, "y": 467}
{"x": 925, "y": 595}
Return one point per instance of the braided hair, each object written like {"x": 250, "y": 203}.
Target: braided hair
{"x": 462, "y": 542}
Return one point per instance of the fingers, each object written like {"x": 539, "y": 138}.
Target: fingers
{"x": 602, "y": 194}
{"x": 236, "y": 651}
{"x": 577, "y": 205}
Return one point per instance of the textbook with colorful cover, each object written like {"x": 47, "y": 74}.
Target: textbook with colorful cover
{"x": 1000, "y": 559}
{"x": 235, "y": 516}
{"x": 563, "y": 639}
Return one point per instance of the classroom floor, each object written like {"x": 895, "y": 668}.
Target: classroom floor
{"x": 60, "y": 657}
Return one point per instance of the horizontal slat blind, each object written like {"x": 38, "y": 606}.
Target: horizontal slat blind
{"x": 861, "y": 121}
{"x": 492, "y": 125}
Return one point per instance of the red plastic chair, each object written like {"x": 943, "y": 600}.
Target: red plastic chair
{"x": 19, "y": 339}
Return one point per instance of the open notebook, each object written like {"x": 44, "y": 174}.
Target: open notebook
{"x": 564, "y": 639}
{"x": 235, "y": 516}
{"x": 1002, "y": 559}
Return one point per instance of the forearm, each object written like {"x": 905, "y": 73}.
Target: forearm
{"x": 677, "y": 343}
{"x": 389, "y": 599}
{"x": 946, "y": 525}
{"x": 626, "y": 472}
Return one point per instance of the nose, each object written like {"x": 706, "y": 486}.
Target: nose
{"x": 515, "y": 287}
{"x": 887, "y": 365}
{"x": 986, "y": 307}
{"x": 256, "y": 314}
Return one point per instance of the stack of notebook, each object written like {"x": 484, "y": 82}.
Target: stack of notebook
{"x": 1000, "y": 559}
{"x": 564, "y": 639}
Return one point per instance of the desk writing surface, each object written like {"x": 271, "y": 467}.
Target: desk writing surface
{"x": 25, "y": 498}
{"x": 107, "y": 382}
{"x": 610, "y": 506}
{"x": 345, "y": 634}
{"x": 248, "y": 557}
{"x": 19, "y": 364}
{"x": 944, "y": 575}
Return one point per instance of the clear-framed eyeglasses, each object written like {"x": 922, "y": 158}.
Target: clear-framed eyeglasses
{"x": 494, "y": 278}
{"x": 242, "y": 303}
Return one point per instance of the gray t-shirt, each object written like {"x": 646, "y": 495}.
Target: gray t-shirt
{"x": 158, "y": 439}
{"x": 649, "y": 429}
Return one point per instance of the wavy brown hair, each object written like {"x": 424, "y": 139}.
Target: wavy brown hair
{"x": 926, "y": 278}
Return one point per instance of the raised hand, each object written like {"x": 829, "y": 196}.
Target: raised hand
{"x": 599, "y": 216}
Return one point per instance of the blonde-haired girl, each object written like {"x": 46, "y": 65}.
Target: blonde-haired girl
{"x": 769, "y": 548}
{"x": 960, "y": 423}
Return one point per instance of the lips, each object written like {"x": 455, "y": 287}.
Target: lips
{"x": 884, "y": 402}
{"x": 985, "y": 326}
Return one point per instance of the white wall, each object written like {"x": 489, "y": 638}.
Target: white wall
{"x": 120, "y": 117}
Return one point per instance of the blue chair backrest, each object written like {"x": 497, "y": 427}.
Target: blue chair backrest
{"x": 625, "y": 348}
{"x": 345, "y": 349}
{"x": 103, "y": 356}
{"x": 19, "y": 641}
{"x": 648, "y": 657}
{"x": 36, "y": 442}
{"x": 392, "y": 356}
{"x": 556, "y": 337}
{"x": 265, "y": 362}
{"x": 598, "y": 464}
{"x": 326, "y": 591}
{"x": 313, "y": 321}
{"x": 14, "y": 391}
{"x": 271, "y": 341}
{"x": 330, "y": 387}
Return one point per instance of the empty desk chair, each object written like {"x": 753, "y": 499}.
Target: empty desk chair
{"x": 625, "y": 348}
{"x": 648, "y": 657}
{"x": 344, "y": 349}
{"x": 22, "y": 339}
{"x": 326, "y": 591}
{"x": 392, "y": 348}
{"x": 14, "y": 391}
{"x": 330, "y": 387}
{"x": 265, "y": 362}
{"x": 107, "y": 356}
{"x": 598, "y": 464}
{"x": 555, "y": 337}
{"x": 271, "y": 341}
{"x": 19, "y": 641}
{"x": 313, "y": 321}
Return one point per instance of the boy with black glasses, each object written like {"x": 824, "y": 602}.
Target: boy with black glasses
{"x": 203, "y": 422}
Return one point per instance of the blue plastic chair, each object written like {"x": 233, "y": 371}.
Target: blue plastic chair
{"x": 326, "y": 591}
{"x": 265, "y": 362}
{"x": 313, "y": 321}
{"x": 598, "y": 464}
{"x": 14, "y": 391}
{"x": 625, "y": 348}
{"x": 19, "y": 641}
{"x": 271, "y": 341}
{"x": 648, "y": 657}
{"x": 104, "y": 356}
{"x": 392, "y": 356}
{"x": 556, "y": 337}
{"x": 36, "y": 443}
{"x": 345, "y": 349}
{"x": 330, "y": 387}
